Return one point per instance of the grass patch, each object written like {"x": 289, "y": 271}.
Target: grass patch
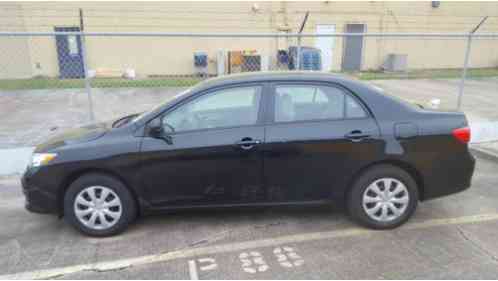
{"x": 54, "y": 83}
{"x": 427, "y": 73}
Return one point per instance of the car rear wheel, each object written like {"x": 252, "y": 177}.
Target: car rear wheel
{"x": 383, "y": 197}
{"x": 99, "y": 205}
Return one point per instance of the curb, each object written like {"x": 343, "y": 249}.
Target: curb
{"x": 484, "y": 153}
{"x": 15, "y": 160}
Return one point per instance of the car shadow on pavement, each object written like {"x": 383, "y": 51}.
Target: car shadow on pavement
{"x": 196, "y": 226}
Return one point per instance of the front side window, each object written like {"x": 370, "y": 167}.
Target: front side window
{"x": 220, "y": 109}
{"x": 308, "y": 102}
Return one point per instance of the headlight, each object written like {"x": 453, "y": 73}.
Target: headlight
{"x": 40, "y": 159}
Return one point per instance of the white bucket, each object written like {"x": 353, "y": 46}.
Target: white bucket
{"x": 130, "y": 73}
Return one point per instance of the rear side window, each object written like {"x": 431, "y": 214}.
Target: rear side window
{"x": 354, "y": 109}
{"x": 314, "y": 102}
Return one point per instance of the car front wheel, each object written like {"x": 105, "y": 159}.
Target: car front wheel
{"x": 383, "y": 197}
{"x": 99, "y": 205}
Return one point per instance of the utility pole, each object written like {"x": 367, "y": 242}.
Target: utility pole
{"x": 466, "y": 62}
{"x": 88, "y": 87}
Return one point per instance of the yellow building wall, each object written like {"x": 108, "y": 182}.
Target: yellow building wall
{"x": 166, "y": 56}
{"x": 409, "y": 17}
{"x": 15, "y": 60}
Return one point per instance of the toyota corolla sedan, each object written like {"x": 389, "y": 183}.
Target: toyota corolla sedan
{"x": 255, "y": 140}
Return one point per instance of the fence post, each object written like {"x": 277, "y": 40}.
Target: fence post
{"x": 464, "y": 71}
{"x": 298, "y": 58}
{"x": 88, "y": 87}
{"x": 466, "y": 62}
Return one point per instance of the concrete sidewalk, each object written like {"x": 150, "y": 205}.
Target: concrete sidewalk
{"x": 14, "y": 160}
{"x": 28, "y": 117}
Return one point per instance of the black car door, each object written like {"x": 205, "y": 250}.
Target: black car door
{"x": 315, "y": 136}
{"x": 213, "y": 154}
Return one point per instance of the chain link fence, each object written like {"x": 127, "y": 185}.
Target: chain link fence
{"x": 80, "y": 77}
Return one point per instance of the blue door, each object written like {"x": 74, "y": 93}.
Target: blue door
{"x": 69, "y": 53}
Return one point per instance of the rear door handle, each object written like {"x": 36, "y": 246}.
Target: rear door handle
{"x": 247, "y": 143}
{"x": 356, "y": 136}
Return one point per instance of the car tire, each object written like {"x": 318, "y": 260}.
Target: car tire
{"x": 369, "y": 192}
{"x": 88, "y": 211}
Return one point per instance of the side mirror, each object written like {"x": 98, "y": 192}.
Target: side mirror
{"x": 156, "y": 131}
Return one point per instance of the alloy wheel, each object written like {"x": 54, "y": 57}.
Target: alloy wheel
{"x": 385, "y": 199}
{"x": 98, "y": 207}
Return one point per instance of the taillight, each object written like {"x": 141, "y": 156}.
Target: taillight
{"x": 462, "y": 134}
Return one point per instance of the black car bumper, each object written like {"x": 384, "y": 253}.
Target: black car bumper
{"x": 38, "y": 199}
{"x": 451, "y": 176}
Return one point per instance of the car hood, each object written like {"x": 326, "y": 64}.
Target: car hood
{"x": 77, "y": 135}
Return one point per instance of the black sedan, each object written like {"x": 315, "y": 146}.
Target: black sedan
{"x": 255, "y": 140}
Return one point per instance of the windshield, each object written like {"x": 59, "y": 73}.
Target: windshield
{"x": 145, "y": 113}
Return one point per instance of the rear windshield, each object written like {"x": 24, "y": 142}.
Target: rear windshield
{"x": 409, "y": 103}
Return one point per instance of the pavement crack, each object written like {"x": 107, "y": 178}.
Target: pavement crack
{"x": 99, "y": 270}
{"x": 209, "y": 239}
{"x": 92, "y": 270}
{"x": 223, "y": 234}
{"x": 267, "y": 225}
{"x": 55, "y": 250}
{"x": 466, "y": 237}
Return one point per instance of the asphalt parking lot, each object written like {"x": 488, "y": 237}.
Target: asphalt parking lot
{"x": 452, "y": 237}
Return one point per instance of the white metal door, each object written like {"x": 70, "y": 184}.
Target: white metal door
{"x": 326, "y": 44}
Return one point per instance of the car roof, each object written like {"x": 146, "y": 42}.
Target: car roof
{"x": 276, "y": 76}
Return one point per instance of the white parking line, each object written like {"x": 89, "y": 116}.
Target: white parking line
{"x": 192, "y": 270}
{"x": 207, "y": 264}
{"x": 253, "y": 262}
{"x": 287, "y": 256}
{"x": 240, "y": 246}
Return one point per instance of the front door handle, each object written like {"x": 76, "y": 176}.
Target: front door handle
{"x": 356, "y": 136}
{"x": 247, "y": 143}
